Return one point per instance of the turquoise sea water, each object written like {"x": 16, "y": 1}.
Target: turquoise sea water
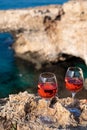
{"x": 15, "y": 75}
{"x": 10, "y": 4}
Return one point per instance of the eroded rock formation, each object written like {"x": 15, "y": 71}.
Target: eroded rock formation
{"x": 43, "y": 34}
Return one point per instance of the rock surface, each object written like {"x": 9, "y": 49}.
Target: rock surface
{"x": 23, "y": 111}
{"x": 43, "y": 34}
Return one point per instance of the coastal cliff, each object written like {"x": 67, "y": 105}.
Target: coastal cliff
{"x": 44, "y": 34}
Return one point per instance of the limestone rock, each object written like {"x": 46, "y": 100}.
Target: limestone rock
{"x": 23, "y": 111}
{"x": 44, "y": 34}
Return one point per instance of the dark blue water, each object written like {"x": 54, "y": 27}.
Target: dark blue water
{"x": 10, "y": 4}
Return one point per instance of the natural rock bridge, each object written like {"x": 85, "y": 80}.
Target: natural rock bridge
{"x": 43, "y": 33}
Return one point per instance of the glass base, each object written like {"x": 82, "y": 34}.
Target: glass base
{"x": 46, "y": 119}
{"x": 75, "y": 111}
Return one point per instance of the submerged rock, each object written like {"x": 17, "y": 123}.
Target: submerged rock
{"x": 22, "y": 111}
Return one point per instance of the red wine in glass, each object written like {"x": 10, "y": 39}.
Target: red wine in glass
{"x": 74, "y": 83}
{"x": 47, "y": 90}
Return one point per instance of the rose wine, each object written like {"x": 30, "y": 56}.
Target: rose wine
{"x": 47, "y": 90}
{"x": 74, "y": 84}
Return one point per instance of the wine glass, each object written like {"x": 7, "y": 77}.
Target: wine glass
{"x": 74, "y": 83}
{"x": 47, "y": 89}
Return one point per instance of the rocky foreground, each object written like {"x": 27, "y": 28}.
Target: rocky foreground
{"x": 22, "y": 112}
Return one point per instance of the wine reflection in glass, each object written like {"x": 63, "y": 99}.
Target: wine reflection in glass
{"x": 47, "y": 89}
{"x": 74, "y": 83}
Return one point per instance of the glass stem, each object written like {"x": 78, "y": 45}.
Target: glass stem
{"x": 48, "y": 103}
{"x": 73, "y": 95}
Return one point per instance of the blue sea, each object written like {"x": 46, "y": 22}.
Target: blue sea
{"x": 15, "y": 76}
{"x": 9, "y": 4}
